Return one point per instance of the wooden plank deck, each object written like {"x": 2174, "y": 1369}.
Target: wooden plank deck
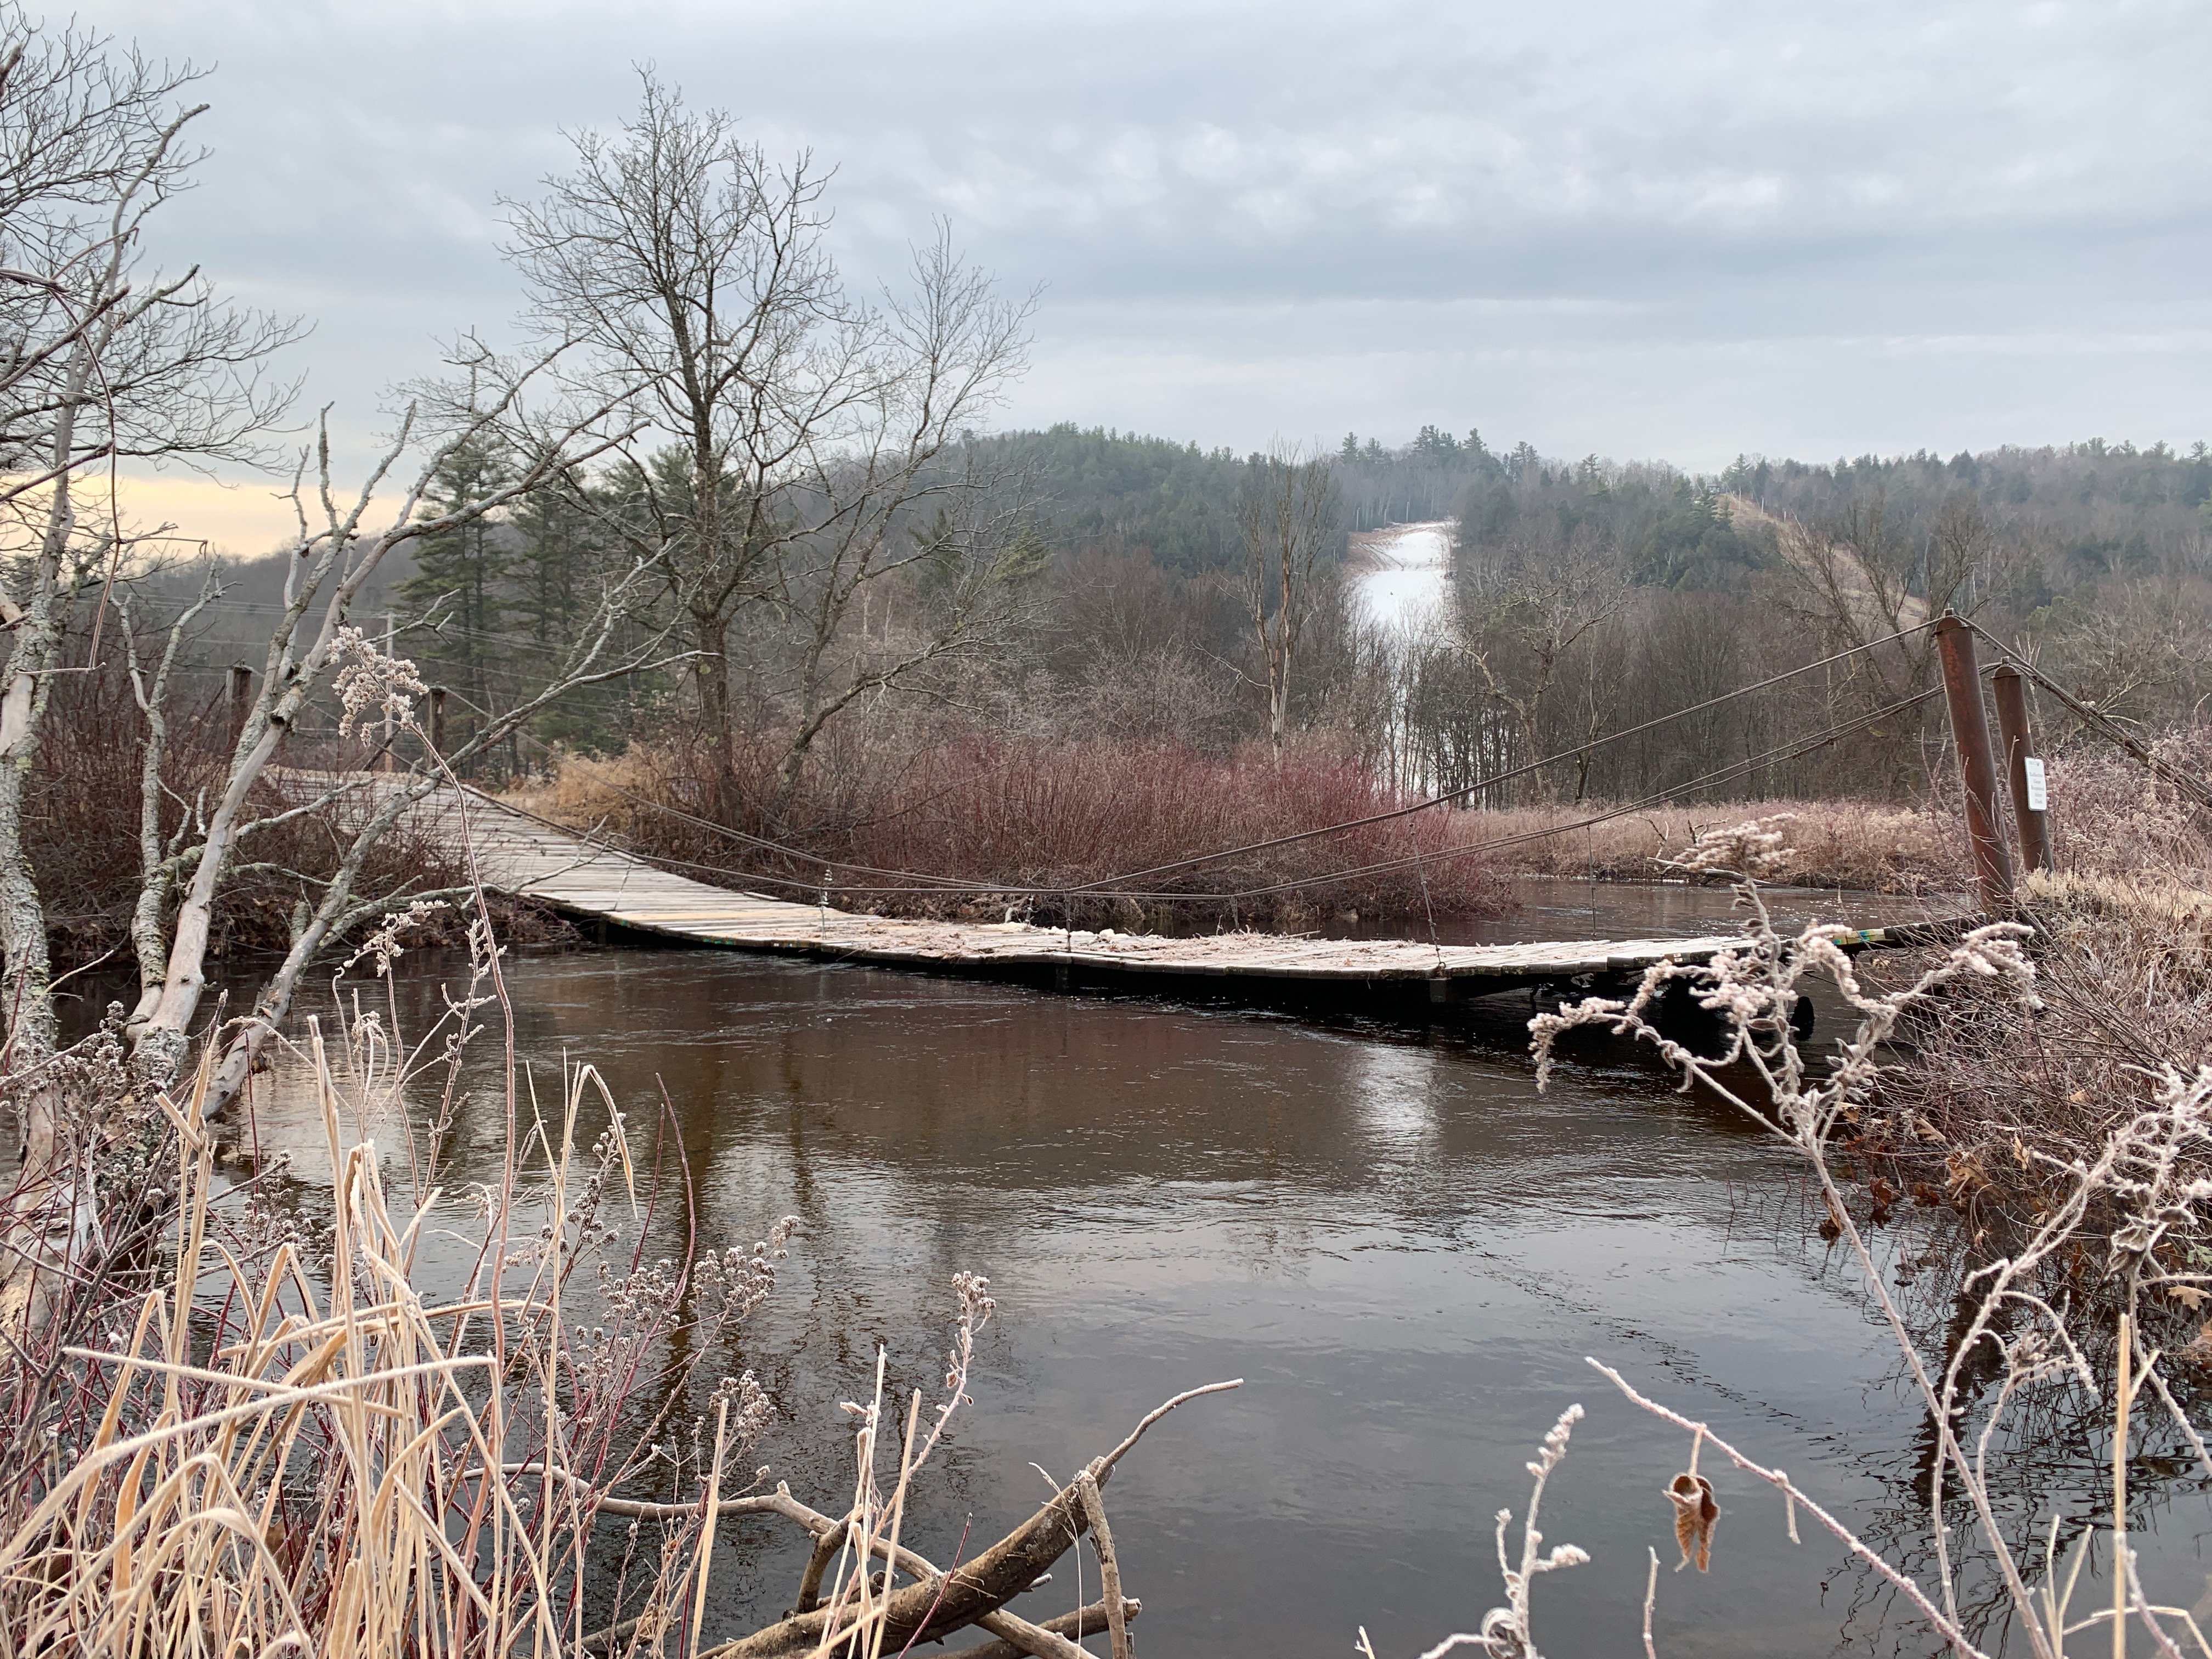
{"x": 529, "y": 857}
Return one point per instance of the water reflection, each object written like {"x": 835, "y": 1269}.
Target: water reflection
{"x": 1392, "y": 1089}
{"x": 1404, "y": 1249}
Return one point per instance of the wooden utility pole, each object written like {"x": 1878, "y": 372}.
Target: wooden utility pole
{"x": 2030, "y": 805}
{"x": 1970, "y": 730}
{"x": 238, "y": 698}
{"x": 438, "y": 718}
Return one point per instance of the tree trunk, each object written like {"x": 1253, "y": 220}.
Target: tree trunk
{"x": 158, "y": 1047}
{"x": 275, "y": 1002}
{"x": 713, "y": 677}
{"x": 45, "y": 1214}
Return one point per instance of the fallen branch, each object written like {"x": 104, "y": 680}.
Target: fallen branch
{"x": 1075, "y": 1626}
{"x": 939, "y": 1603}
{"x": 1109, "y": 1569}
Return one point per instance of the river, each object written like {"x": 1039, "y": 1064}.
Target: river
{"x": 1403, "y": 1249}
{"x": 1402, "y": 576}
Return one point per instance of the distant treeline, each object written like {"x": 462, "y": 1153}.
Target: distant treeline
{"x": 1583, "y": 592}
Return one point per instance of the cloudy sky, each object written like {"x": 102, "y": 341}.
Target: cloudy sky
{"x": 1645, "y": 228}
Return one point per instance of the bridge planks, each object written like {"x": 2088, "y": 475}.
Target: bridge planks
{"x": 521, "y": 854}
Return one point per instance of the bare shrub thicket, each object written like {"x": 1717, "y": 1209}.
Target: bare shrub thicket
{"x": 1023, "y": 823}
{"x": 87, "y": 851}
{"x": 2124, "y": 953}
{"x": 2085, "y": 1299}
{"x": 269, "y": 1426}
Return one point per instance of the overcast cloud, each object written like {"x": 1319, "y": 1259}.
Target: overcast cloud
{"x": 1645, "y": 229}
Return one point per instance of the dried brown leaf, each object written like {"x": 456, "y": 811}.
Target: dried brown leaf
{"x": 1696, "y": 1514}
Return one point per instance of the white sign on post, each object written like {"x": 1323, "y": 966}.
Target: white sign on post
{"x": 2038, "y": 798}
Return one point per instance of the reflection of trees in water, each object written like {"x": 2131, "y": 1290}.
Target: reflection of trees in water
{"x": 2050, "y": 1451}
{"x": 793, "y": 1124}
{"x": 859, "y": 1274}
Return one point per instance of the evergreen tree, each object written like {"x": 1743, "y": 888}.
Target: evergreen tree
{"x": 456, "y": 601}
{"x": 559, "y": 560}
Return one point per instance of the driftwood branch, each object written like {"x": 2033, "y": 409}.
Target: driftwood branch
{"x": 827, "y": 1546}
{"x": 937, "y": 1603}
{"x": 1109, "y": 1570}
{"x": 1073, "y": 1627}
{"x": 1019, "y": 1635}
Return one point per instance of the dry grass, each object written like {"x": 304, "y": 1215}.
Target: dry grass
{"x": 236, "y": 1435}
{"x": 1832, "y": 844}
{"x": 290, "y": 1446}
{"x": 2123, "y": 959}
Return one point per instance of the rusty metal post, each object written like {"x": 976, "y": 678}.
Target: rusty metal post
{"x": 1970, "y": 730}
{"x": 238, "y": 698}
{"x": 2023, "y": 768}
{"x": 438, "y": 718}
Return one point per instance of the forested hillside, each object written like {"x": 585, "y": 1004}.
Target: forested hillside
{"x": 1582, "y": 590}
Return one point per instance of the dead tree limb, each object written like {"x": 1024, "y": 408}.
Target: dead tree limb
{"x": 827, "y": 1546}
{"x": 1109, "y": 1570}
{"x": 1087, "y": 1621}
{"x": 937, "y": 1603}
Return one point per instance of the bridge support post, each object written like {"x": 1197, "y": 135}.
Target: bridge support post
{"x": 1970, "y": 731}
{"x": 2023, "y": 768}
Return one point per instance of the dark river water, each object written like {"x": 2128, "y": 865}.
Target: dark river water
{"x": 1402, "y": 1248}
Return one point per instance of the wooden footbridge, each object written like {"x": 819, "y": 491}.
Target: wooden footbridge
{"x": 519, "y": 854}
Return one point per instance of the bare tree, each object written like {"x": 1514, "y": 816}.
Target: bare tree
{"x": 1523, "y": 618}
{"x": 807, "y": 433}
{"x": 313, "y": 651}
{"x": 158, "y": 856}
{"x": 1289, "y": 519}
{"x": 334, "y": 554}
{"x": 102, "y": 358}
{"x": 1862, "y": 579}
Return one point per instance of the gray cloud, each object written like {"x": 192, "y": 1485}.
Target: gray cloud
{"x": 1661, "y": 229}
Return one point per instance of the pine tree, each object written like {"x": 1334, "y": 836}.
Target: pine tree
{"x": 555, "y": 571}
{"x": 456, "y": 600}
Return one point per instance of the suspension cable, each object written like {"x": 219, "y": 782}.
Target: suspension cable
{"x": 1791, "y": 751}
{"x": 2092, "y": 715}
{"x": 1118, "y": 886}
{"x": 1501, "y": 777}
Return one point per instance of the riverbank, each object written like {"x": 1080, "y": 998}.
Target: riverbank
{"x": 1021, "y": 821}
{"x": 1997, "y": 1102}
{"x": 1864, "y": 846}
